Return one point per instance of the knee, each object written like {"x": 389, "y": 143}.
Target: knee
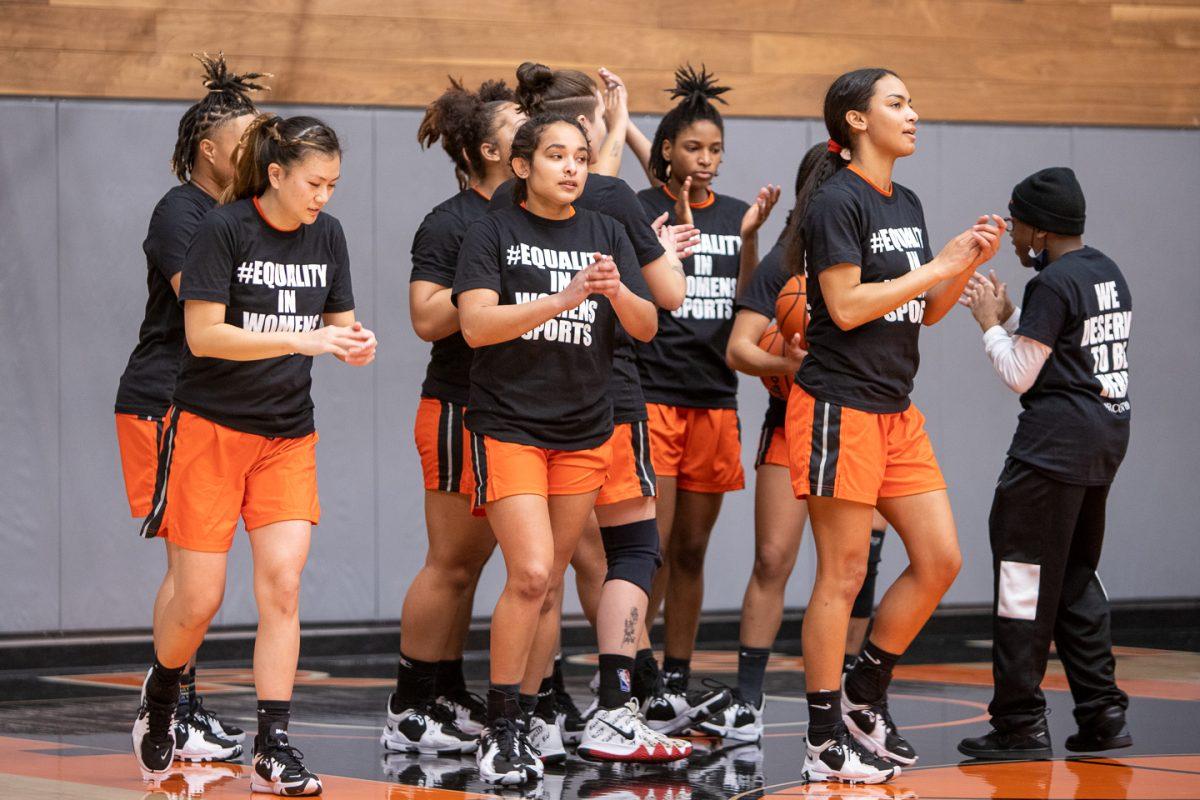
{"x": 947, "y": 568}
{"x": 198, "y": 607}
{"x": 773, "y": 565}
{"x": 529, "y": 582}
{"x": 553, "y": 596}
{"x": 687, "y": 556}
{"x": 458, "y": 577}
{"x": 280, "y": 595}
{"x": 844, "y": 579}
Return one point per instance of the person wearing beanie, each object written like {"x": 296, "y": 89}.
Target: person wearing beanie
{"x": 1066, "y": 351}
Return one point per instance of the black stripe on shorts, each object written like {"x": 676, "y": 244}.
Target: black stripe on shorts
{"x": 450, "y": 447}
{"x": 158, "y": 503}
{"x": 480, "y": 467}
{"x": 826, "y": 437}
{"x": 640, "y": 434}
{"x": 764, "y": 444}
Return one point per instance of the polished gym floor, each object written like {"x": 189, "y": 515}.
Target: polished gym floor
{"x": 66, "y": 735}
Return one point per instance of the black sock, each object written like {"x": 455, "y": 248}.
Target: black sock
{"x": 752, "y": 670}
{"x": 450, "y": 680}
{"x": 824, "y": 715}
{"x": 616, "y": 680}
{"x": 678, "y": 671}
{"x": 559, "y": 684}
{"x": 527, "y": 702}
{"x": 503, "y": 702}
{"x": 645, "y": 674}
{"x": 415, "y": 683}
{"x": 868, "y": 681}
{"x": 187, "y": 686}
{"x": 162, "y": 688}
{"x": 848, "y": 662}
{"x": 273, "y": 716}
{"x": 544, "y": 707}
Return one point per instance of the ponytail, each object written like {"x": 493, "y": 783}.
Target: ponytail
{"x": 464, "y": 121}
{"x": 851, "y": 91}
{"x": 272, "y": 139}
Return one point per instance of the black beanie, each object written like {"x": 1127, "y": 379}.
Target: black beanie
{"x": 1050, "y": 200}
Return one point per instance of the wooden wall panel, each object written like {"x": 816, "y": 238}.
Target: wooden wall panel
{"x": 1135, "y": 62}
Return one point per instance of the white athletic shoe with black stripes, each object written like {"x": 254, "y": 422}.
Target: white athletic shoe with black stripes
{"x": 871, "y": 724}
{"x": 505, "y": 756}
{"x": 842, "y": 759}
{"x": 195, "y": 742}
{"x": 620, "y": 734}
{"x": 279, "y": 769}
{"x": 740, "y": 721}
{"x": 428, "y": 728}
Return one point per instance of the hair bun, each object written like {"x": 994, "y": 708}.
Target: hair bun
{"x": 533, "y": 80}
{"x": 696, "y": 88}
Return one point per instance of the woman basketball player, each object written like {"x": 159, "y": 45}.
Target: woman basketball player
{"x": 203, "y": 162}
{"x": 476, "y": 130}
{"x": 540, "y": 287}
{"x": 778, "y": 516}
{"x": 690, "y": 391}
{"x": 266, "y": 286}
{"x": 625, "y": 528}
{"x": 855, "y": 441}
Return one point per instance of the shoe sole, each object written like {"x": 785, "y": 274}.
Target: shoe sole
{"x": 205, "y": 758}
{"x": 464, "y": 749}
{"x": 601, "y": 756}
{"x": 553, "y": 758}
{"x": 257, "y": 784}
{"x": 809, "y": 776}
{"x": 1115, "y": 743}
{"x": 734, "y": 734}
{"x": 1007, "y": 755}
{"x": 875, "y": 747}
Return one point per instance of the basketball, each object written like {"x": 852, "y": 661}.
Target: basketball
{"x": 791, "y": 311}
{"x": 778, "y": 385}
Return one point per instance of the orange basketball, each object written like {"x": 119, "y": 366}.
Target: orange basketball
{"x": 778, "y": 385}
{"x": 791, "y": 311}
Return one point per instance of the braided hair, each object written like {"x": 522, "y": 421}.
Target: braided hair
{"x": 272, "y": 139}
{"x": 228, "y": 97}
{"x": 696, "y": 92}
{"x": 464, "y": 121}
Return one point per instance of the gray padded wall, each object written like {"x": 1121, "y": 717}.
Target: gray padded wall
{"x": 78, "y": 180}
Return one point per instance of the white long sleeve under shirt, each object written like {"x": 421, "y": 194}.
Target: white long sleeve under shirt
{"x": 1017, "y": 359}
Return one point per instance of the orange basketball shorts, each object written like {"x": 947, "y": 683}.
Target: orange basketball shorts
{"x": 700, "y": 447}
{"x": 444, "y": 446}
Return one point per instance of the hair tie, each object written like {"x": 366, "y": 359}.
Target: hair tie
{"x": 834, "y": 147}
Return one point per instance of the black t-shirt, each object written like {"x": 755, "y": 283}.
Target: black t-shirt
{"x": 685, "y": 365}
{"x": 434, "y": 258}
{"x": 549, "y": 387}
{"x": 871, "y": 367}
{"x": 269, "y": 280}
{"x": 1075, "y": 423}
{"x": 759, "y": 296}
{"x": 149, "y": 378}
{"x": 612, "y": 196}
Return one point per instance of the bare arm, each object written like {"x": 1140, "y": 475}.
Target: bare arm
{"x": 638, "y": 316}
{"x": 485, "y": 321}
{"x": 356, "y": 356}
{"x": 433, "y": 315}
{"x": 664, "y": 275}
{"x": 209, "y": 336}
{"x": 616, "y": 118}
{"x": 640, "y": 146}
{"x": 752, "y": 220}
{"x": 743, "y": 353}
{"x": 176, "y": 280}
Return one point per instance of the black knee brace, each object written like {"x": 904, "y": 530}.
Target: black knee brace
{"x": 632, "y": 553}
{"x": 864, "y": 604}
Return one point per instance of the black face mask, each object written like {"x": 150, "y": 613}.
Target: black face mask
{"x": 1040, "y": 259}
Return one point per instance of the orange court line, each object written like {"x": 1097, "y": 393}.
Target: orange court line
{"x": 32, "y": 758}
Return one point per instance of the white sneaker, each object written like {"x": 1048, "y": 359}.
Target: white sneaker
{"x": 620, "y": 734}
{"x": 739, "y": 721}
{"x": 675, "y": 709}
{"x": 505, "y": 757}
{"x": 225, "y": 730}
{"x": 546, "y": 740}
{"x": 279, "y": 769}
{"x": 844, "y": 759}
{"x": 428, "y": 729}
{"x": 872, "y": 726}
{"x": 195, "y": 742}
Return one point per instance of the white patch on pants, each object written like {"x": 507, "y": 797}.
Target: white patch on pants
{"x": 1018, "y": 590}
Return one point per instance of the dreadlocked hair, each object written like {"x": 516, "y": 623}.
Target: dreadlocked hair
{"x": 464, "y": 121}
{"x": 541, "y": 90}
{"x": 696, "y": 92}
{"x": 272, "y": 139}
{"x": 850, "y": 91}
{"x": 527, "y": 140}
{"x": 228, "y": 97}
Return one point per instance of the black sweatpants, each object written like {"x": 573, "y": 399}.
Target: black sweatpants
{"x": 1046, "y": 538}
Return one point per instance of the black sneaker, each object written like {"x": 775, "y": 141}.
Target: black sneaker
{"x": 841, "y": 758}
{"x": 1023, "y": 744}
{"x": 154, "y": 736}
{"x": 676, "y": 708}
{"x": 1106, "y": 732}
{"x": 279, "y": 769}
{"x": 468, "y": 708}
{"x": 505, "y": 757}
{"x": 428, "y": 728}
{"x": 871, "y": 724}
{"x": 570, "y": 722}
{"x": 218, "y": 726}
